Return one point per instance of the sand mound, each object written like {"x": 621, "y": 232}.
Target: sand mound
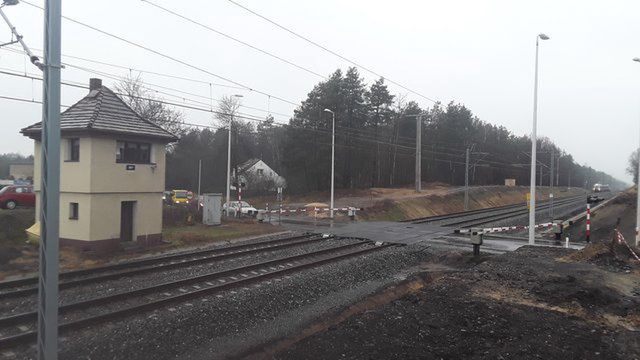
{"x": 593, "y": 251}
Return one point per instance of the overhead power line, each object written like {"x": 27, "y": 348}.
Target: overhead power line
{"x": 147, "y": 85}
{"x": 352, "y": 62}
{"x": 207, "y": 27}
{"x": 130, "y": 69}
{"x": 166, "y": 56}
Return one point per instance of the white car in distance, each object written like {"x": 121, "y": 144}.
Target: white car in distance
{"x": 239, "y": 207}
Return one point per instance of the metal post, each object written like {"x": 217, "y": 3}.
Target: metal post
{"x": 466, "y": 182}
{"x": 199, "y": 176}
{"x": 551, "y": 177}
{"x": 558, "y": 171}
{"x": 333, "y": 159}
{"x": 50, "y": 186}
{"x": 638, "y": 204}
{"x": 419, "y": 153}
{"x": 239, "y": 201}
{"x": 532, "y": 184}
{"x": 229, "y": 166}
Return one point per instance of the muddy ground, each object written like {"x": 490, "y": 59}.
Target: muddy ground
{"x": 604, "y": 220}
{"x": 535, "y": 303}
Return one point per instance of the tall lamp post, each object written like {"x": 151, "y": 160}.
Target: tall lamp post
{"x": 637, "y": 59}
{"x": 333, "y": 155}
{"x": 532, "y": 184}
{"x": 229, "y": 161}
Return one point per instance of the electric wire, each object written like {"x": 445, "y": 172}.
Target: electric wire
{"x": 166, "y": 56}
{"x": 207, "y": 27}
{"x": 352, "y": 62}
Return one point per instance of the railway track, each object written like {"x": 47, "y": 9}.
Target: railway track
{"x": 69, "y": 279}
{"x": 20, "y": 328}
{"x": 485, "y": 216}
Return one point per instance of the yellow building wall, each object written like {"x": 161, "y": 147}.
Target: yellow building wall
{"x": 99, "y": 184}
{"x": 147, "y": 215}
{"x": 110, "y": 176}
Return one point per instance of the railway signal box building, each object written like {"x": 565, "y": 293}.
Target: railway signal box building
{"x": 112, "y": 173}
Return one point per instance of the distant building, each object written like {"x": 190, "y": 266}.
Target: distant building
{"x": 258, "y": 176}
{"x": 22, "y": 171}
{"x": 112, "y": 173}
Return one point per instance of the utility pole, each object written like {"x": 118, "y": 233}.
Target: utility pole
{"x": 419, "y": 153}
{"x": 558, "y": 171}
{"x": 466, "y": 182}
{"x": 551, "y": 178}
{"x": 229, "y": 154}
{"x": 199, "y": 175}
{"x": 229, "y": 166}
{"x": 50, "y": 186}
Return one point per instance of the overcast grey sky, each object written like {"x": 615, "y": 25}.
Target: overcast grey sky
{"x": 476, "y": 52}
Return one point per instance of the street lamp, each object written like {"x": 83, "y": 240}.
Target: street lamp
{"x": 229, "y": 159}
{"x": 637, "y": 59}
{"x": 333, "y": 154}
{"x": 532, "y": 184}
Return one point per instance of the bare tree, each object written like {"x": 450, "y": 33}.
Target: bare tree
{"x": 227, "y": 109}
{"x": 146, "y": 104}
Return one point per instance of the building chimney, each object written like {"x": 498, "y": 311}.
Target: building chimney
{"x": 95, "y": 84}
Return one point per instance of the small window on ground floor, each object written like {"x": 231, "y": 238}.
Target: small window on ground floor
{"x": 73, "y": 211}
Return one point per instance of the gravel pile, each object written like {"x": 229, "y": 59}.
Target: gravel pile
{"x": 521, "y": 305}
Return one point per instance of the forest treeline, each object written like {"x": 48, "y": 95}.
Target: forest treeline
{"x": 375, "y": 145}
{"x": 375, "y": 137}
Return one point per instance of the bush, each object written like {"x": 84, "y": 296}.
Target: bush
{"x": 177, "y": 215}
{"x": 13, "y": 224}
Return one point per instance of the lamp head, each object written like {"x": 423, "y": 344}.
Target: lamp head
{"x": 327, "y": 110}
{"x": 636, "y": 59}
{"x": 543, "y": 37}
{"x": 238, "y": 95}
{"x": 9, "y": 2}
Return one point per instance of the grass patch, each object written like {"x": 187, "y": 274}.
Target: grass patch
{"x": 13, "y": 237}
{"x": 203, "y": 234}
{"x": 387, "y": 210}
{"x": 13, "y": 224}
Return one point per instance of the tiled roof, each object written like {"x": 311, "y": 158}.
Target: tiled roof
{"x": 102, "y": 111}
{"x": 247, "y": 165}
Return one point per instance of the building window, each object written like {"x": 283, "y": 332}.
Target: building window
{"x": 73, "y": 211}
{"x": 74, "y": 149}
{"x": 133, "y": 152}
{"x": 260, "y": 172}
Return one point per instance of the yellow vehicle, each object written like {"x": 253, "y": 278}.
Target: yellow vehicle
{"x": 181, "y": 197}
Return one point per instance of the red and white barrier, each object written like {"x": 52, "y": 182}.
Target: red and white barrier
{"x": 282, "y": 211}
{"x": 621, "y": 240}
{"x": 506, "y": 228}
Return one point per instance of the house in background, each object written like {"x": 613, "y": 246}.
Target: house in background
{"x": 112, "y": 173}
{"x": 21, "y": 171}
{"x": 258, "y": 176}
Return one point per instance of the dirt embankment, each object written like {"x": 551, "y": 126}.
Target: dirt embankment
{"x": 620, "y": 213}
{"x": 453, "y": 201}
{"x": 528, "y": 304}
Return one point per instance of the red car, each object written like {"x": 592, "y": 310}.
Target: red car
{"x": 17, "y": 195}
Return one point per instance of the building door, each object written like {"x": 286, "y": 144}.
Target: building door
{"x": 126, "y": 221}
